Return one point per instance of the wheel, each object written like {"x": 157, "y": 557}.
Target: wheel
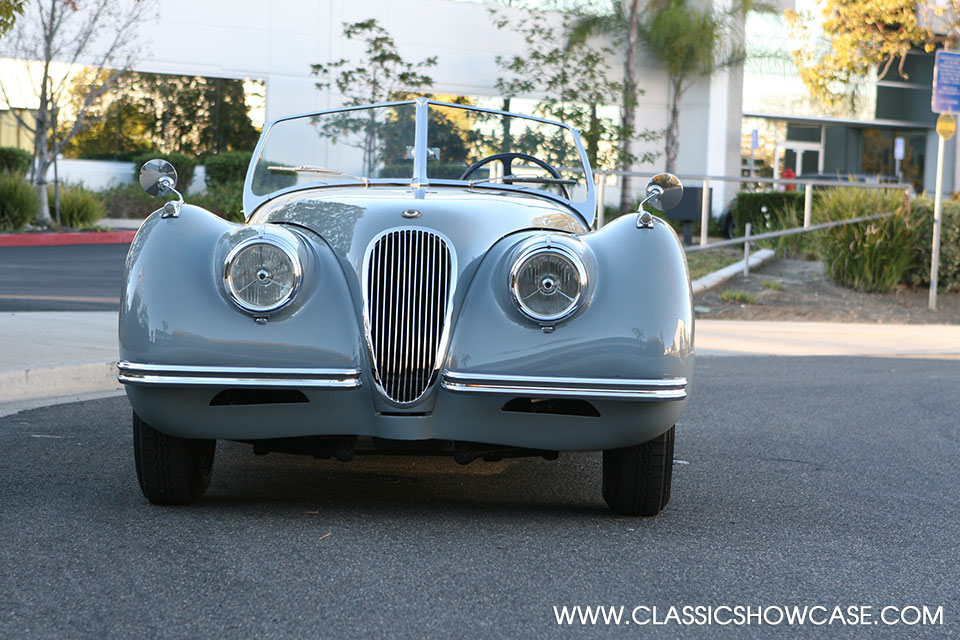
{"x": 171, "y": 470}
{"x": 728, "y": 226}
{"x": 636, "y": 480}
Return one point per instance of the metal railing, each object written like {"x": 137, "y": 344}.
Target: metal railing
{"x": 807, "y": 183}
{"x": 748, "y": 238}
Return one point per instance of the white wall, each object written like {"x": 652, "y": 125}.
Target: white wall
{"x": 278, "y": 40}
{"x": 93, "y": 174}
{"x": 97, "y": 175}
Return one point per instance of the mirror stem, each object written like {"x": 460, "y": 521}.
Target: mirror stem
{"x": 172, "y": 209}
{"x": 644, "y": 219}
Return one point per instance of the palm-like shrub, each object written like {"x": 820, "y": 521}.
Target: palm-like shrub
{"x": 871, "y": 256}
{"x": 18, "y": 201}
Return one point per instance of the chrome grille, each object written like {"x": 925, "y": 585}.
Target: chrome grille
{"x": 408, "y": 284}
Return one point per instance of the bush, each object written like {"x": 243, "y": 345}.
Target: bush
{"x": 870, "y": 256}
{"x": 225, "y": 200}
{"x": 748, "y": 207}
{"x": 184, "y": 165}
{"x": 228, "y": 167}
{"x": 948, "y": 275}
{"x": 78, "y": 206}
{"x": 14, "y": 159}
{"x": 130, "y": 201}
{"x": 19, "y": 201}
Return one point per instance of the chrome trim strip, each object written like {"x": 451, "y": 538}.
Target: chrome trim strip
{"x": 615, "y": 388}
{"x": 177, "y": 375}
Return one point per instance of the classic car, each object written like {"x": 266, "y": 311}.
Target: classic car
{"x": 412, "y": 278}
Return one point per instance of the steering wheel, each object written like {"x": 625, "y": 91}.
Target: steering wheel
{"x": 506, "y": 159}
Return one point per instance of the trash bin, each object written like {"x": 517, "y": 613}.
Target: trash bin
{"x": 688, "y": 211}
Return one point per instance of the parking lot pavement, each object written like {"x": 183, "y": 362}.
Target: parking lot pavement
{"x": 797, "y": 481}
{"x": 61, "y": 278}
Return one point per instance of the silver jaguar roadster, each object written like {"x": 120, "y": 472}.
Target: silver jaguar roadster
{"x": 416, "y": 278}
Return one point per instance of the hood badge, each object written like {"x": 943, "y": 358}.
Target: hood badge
{"x": 411, "y": 213}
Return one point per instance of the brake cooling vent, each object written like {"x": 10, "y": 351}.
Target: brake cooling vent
{"x": 408, "y": 284}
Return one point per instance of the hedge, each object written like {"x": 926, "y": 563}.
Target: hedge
{"x": 184, "y": 165}
{"x": 224, "y": 168}
{"x": 225, "y": 200}
{"x": 948, "y": 275}
{"x": 748, "y": 207}
{"x": 15, "y": 159}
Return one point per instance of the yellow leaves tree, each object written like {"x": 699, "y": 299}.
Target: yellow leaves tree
{"x": 858, "y": 36}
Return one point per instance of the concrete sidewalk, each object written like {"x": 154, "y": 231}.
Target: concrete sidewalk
{"x": 52, "y": 357}
{"x": 56, "y": 355}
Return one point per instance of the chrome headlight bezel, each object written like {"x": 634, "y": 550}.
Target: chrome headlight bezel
{"x": 540, "y": 247}
{"x": 288, "y": 246}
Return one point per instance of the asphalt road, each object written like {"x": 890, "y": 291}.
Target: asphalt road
{"x": 817, "y": 481}
{"x": 61, "y": 278}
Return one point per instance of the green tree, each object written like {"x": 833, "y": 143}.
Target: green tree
{"x": 572, "y": 78}
{"x": 63, "y": 30}
{"x": 171, "y": 114}
{"x": 619, "y": 20}
{"x": 382, "y": 75}
{"x": 10, "y": 10}
{"x": 691, "y": 41}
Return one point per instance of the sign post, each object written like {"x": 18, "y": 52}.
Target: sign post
{"x": 945, "y": 101}
{"x": 899, "y": 153}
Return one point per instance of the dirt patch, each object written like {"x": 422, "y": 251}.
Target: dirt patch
{"x": 799, "y": 290}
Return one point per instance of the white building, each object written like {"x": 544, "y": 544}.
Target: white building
{"x": 276, "y": 41}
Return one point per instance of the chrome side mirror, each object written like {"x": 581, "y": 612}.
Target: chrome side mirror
{"x": 159, "y": 178}
{"x": 664, "y": 191}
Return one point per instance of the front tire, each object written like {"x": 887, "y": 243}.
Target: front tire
{"x": 171, "y": 470}
{"x": 636, "y": 480}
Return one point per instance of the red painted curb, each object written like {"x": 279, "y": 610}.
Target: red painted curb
{"x": 56, "y": 239}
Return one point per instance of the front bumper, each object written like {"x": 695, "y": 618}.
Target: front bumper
{"x": 264, "y": 377}
{"x": 469, "y": 407}
{"x": 560, "y": 387}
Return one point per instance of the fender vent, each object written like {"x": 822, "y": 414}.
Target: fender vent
{"x": 408, "y": 283}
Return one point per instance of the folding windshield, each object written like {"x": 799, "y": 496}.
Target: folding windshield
{"x": 490, "y": 147}
{"x": 337, "y": 147}
{"x": 463, "y": 145}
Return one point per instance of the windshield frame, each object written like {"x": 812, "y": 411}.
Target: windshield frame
{"x": 419, "y": 179}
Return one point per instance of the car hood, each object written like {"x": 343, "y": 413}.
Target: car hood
{"x": 348, "y": 219}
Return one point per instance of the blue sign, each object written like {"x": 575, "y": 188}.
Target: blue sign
{"x": 899, "y": 148}
{"x": 946, "y": 82}
{"x": 754, "y": 139}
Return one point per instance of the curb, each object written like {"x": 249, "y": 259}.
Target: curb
{"x": 720, "y": 276}
{"x": 58, "y": 380}
{"x": 65, "y": 238}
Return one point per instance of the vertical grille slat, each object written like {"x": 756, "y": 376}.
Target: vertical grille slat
{"x": 408, "y": 286}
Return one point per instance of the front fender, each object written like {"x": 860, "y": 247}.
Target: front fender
{"x": 636, "y": 324}
{"x": 174, "y": 311}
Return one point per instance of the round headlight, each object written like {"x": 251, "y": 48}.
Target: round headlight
{"x": 262, "y": 274}
{"x": 547, "y": 283}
